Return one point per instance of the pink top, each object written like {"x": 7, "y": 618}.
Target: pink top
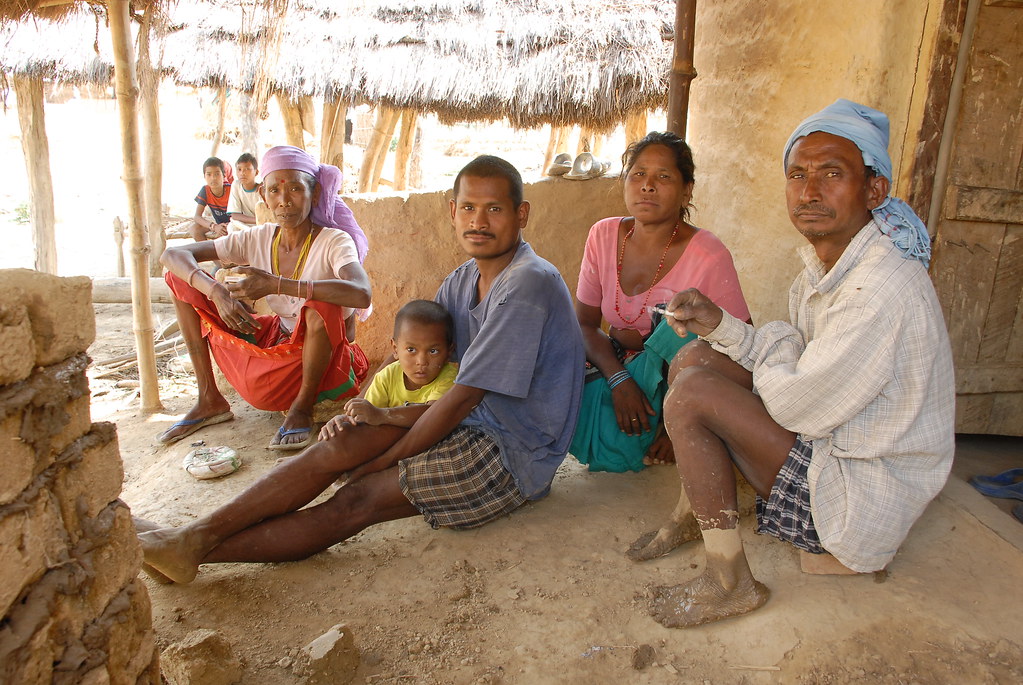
{"x": 331, "y": 250}
{"x": 705, "y": 264}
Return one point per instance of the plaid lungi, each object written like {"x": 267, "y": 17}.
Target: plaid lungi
{"x": 460, "y": 482}
{"x": 786, "y": 513}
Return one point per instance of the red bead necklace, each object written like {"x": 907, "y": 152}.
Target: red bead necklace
{"x": 657, "y": 274}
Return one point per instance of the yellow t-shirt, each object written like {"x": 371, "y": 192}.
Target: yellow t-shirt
{"x": 388, "y": 387}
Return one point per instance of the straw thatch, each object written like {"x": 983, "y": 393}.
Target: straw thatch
{"x": 533, "y": 62}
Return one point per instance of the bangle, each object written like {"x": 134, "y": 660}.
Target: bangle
{"x": 617, "y": 379}
{"x": 310, "y": 291}
{"x": 280, "y": 279}
{"x": 192, "y": 274}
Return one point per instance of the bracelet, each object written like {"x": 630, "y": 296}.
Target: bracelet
{"x": 191, "y": 275}
{"x": 310, "y": 291}
{"x": 617, "y": 379}
{"x": 280, "y": 279}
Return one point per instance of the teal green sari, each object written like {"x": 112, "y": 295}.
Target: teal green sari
{"x": 598, "y": 440}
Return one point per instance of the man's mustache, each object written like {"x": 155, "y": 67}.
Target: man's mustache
{"x": 480, "y": 233}
{"x": 814, "y": 208}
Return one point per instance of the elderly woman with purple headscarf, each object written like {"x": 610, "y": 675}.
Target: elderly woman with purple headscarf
{"x": 308, "y": 266}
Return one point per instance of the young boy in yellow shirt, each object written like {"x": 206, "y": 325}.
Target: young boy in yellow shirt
{"x": 422, "y": 342}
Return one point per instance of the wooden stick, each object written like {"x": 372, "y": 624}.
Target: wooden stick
{"x": 404, "y": 152}
{"x": 127, "y": 107}
{"x": 36, "y": 148}
{"x": 149, "y": 82}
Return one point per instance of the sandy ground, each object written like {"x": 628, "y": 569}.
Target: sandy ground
{"x": 546, "y": 596}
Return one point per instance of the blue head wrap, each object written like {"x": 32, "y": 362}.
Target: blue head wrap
{"x": 868, "y": 129}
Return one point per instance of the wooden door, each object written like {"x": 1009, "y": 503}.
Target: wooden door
{"x": 978, "y": 253}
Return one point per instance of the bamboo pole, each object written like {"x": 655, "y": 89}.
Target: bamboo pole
{"x": 635, "y": 127}
{"x": 221, "y": 117}
{"x": 149, "y": 83}
{"x": 292, "y": 121}
{"x": 36, "y": 149}
{"x": 332, "y": 133}
{"x": 403, "y": 154}
{"x": 383, "y": 128}
{"x": 127, "y": 108}
{"x": 385, "y": 146}
{"x": 682, "y": 69}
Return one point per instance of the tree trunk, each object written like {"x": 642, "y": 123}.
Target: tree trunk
{"x": 36, "y": 148}
{"x": 403, "y": 154}
{"x": 376, "y": 148}
{"x": 635, "y": 127}
{"x": 292, "y": 121}
{"x": 682, "y": 70}
{"x": 149, "y": 82}
{"x": 127, "y": 108}
{"x": 250, "y": 125}
{"x": 332, "y": 132}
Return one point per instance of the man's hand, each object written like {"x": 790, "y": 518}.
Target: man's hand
{"x": 362, "y": 411}
{"x": 692, "y": 311}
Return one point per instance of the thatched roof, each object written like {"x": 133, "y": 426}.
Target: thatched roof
{"x": 533, "y": 62}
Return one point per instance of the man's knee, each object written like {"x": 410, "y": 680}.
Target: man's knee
{"x": 694, "y": 353}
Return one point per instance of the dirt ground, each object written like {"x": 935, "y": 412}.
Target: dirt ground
{"x": 546, "y": 595}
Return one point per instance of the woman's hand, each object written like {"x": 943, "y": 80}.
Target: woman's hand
{"x": 632, "y": 408}
{"x": 256, "y": 284}
{"x": 236, "y": 315}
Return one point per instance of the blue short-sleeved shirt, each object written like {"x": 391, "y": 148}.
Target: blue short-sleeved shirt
{"x": 522, "y": 345}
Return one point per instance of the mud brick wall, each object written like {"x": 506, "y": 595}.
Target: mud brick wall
{"x": 73, "y": 608}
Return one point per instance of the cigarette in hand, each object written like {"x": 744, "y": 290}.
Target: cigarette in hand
{"x": 662, "y": 311}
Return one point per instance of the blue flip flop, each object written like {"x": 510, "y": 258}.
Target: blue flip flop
{"x": 1004, "y": 478}
{"x": 1013, "y": 491}
{"x": 291, "y": 446}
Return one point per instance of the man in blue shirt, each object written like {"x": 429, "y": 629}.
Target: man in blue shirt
{"x": 489, "y": 444}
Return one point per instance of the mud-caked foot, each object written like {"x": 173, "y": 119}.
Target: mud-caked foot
{"x": 703, "y": 600}
{"x": 657, "y": 543}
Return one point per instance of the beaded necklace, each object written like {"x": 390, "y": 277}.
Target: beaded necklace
{"x": 657, "y": 274}
{"x": 275, "y": 254}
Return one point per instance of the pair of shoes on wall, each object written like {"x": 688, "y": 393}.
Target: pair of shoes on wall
{"x": 584, "y": 167}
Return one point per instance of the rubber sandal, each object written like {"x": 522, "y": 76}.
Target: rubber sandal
{"x": 291, "y": 446}
{"x": 193, "y": 425}
{"x": 1014, "y": 491}
{"x": 1004, "y": 478}
{"x": 561, "y": 165}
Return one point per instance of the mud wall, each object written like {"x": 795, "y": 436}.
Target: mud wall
{"x": 73, "y": 608}
{"x": 413, "y": 247}
{"x": 765, "y": 66}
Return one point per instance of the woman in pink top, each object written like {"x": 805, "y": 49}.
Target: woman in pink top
{"x": 631, "y": 264}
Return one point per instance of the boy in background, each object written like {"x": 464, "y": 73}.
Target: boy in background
{"x": 422, "y": 342}
{"x": 215, "y": 195}
{"x": 245, "y": 195}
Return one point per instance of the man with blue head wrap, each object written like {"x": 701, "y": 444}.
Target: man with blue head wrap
{"x": 842, "y": 420}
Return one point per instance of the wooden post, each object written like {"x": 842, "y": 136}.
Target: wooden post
{"x": 292, "y": 121}
{"x": 635, "y": 127}
{"x": 332, "y": 133}
{"x": 585, "y": 140}
{"x": 385, "y": 146}
{"x": 682, "y": 70}
{"x": 36, "y": 149}
{"x": 552, "y": 148}
{"x": 218, "y": 135}
{"x": 307, "y": 112}
{"x": 149, "y": 82}
{"x": 127, "y": 108}
{"x": 598, "y": 144}
{"x": 415, "y": 172}
{"x": 376, "y": 148}
{"x": 403, "y": 154}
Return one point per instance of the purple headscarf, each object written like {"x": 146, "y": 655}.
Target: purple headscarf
{"x": 330, "y": 211}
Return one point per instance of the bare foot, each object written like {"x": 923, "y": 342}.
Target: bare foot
{"x": 657, "y": 543}
{"x": 170, "y": 552}
{"x": 702, "y": 600}
{"x": 144, "y": 526}
{"x": 660, "y": 450}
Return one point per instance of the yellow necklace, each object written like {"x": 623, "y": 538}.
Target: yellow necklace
{"x": 276, "y": 259}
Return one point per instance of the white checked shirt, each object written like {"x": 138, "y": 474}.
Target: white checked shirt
{"x": 865, "y": 374}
